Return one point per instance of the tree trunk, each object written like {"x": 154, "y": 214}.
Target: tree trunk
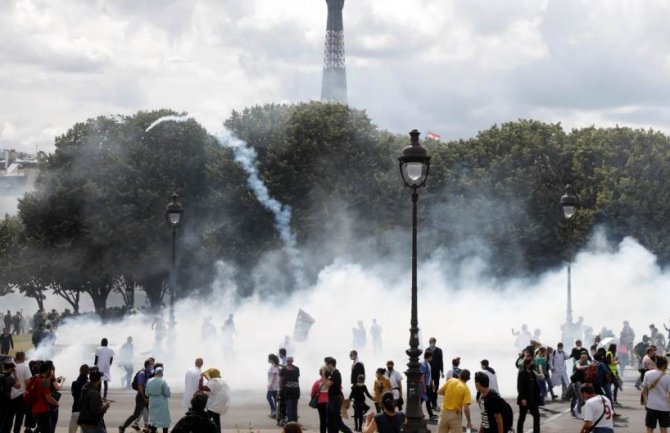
{"x": 154, "y": 288}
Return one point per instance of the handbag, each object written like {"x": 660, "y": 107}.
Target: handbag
{"x": 313, "y": 401}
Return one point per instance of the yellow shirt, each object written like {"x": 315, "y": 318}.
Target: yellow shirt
{"x": 381, "y": 386}
{"x": 456, "y": 394}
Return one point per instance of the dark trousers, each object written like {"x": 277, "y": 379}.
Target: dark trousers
{"x": 432, "y": 392}
{"x": 5, "y": 410}
{"x": 216, "y": 418}
{"x": 335, "y": 423}
{"x": 44, "y": 421}
{"x": 18, "y": 409}
{"x": 140, "y": 404}
{"x": 292, "y": 409}
{"x": 359, "y": 412}
{"x": 535, "y": 412}
{"x": 429, "y": 408}
{"x": 322, "y": 408}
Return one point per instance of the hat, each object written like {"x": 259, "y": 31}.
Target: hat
{"x": 212, "y": 373}
{"x": 95, "y": 375}
{"x": 158, "y": 371}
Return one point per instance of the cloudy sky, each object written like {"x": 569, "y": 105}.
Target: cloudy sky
{"x": 451, "y": 67}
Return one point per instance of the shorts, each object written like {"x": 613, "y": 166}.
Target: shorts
{"x": 653, "y": 416}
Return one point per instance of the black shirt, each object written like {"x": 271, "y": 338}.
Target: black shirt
{"x": 490, "y": 406}
{"x": 358, "y": 393}
{"x": 290, "y": 385}
{"x": 76, "y": 388}
{"x": 357, "y": 369}
{"x": 335, "y": 389}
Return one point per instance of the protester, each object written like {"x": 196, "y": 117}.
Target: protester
{"x": 427, "y": 383}
{"x": 290, "y": 387}
{"x": 358, "y": 393}
{"x": 457, "y": 400}
{"x": 158, "y": 392}
{"x": 219, "y": 396}
{"x": 126, "y": 361}
{"x": 141, "y": 400}
{"x": 6, "y": 342}
{"x": 44, "y": 401}
{"x": 528, "y": 397}
{"x": 104, "y": 357}
{"x": 357, "y": 367}
{"x": 655, "y": 392}
{"x": 18, "y": 405}
{"x": 196, "y": 419}
{"x": 559, "y": 372}
{"x": 491, "y": 373}
{"x": 335, "y": 397}
{"x": 578, "y": 378}
{"x": 273, "y": 384}
{"x": 389, "y": 421}
{"x": 76, "y": 390}
{"x": 598, "y": 413}
{"x": 8, "y": 381}
{"x": 380, "y": 387}
{"x": 192, "y": 382}
{"x": 490, "y": 405}
{"x": 91, "y": 407}
{"x": 436, "y": 371}
{"x": 396, "y": 383}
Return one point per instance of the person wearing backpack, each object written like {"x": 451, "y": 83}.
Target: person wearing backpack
{"x": 141, "y": 400}
{"x": 497, "y": 416}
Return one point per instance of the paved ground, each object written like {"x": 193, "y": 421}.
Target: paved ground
{"x": 249, "y": 410}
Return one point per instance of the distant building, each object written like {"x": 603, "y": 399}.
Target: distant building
{"x": 334, "y": 82}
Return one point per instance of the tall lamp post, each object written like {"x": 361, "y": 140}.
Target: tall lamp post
{"x": 414, "y": 167}
{"x": 569, "y": 203}
{"x": 173, "y": 214}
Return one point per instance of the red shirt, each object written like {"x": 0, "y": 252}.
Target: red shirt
{"x": 43, "y": 389}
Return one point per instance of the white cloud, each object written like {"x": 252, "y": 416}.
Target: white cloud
{"x": 447, "y": 66}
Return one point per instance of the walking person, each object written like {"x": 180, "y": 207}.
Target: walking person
{"x": 6, "y": 342}
{"x": 103, "y": 360}
{"x": 436, "y": 370}
{"x": 126, "y": 360}
{"x": 92, "y": 409}
{"x": 380, "y": 387}
{"x": 358, "y": 393}
{"x": 528, "y": 397}
{"x": 655, "y": 391}
{"x": 490, "y": 405}
{"x": 457, "y": 400}
{"x": 559, "y": 372}
{"x": 19, "y": 405}
{"x": 357, "y": 367}
{"x": 141, "y": 400}
{"x": 389, "y": 420}
{"x": 578, "y": 378}
{"x": 396, "y": 383}
{"x": 158, "y": 392}
{"x": 427, "y": 383}
{"x": 320, "y": 392}
{"x": 76, "y": 390}
{"x": 192, "y": 382}
{"x": 491, "y": 373}
{"x": 335, "y": 398}
{"x": 219, "y": 395}
{"x": 598, "y": 412}
{"x": 273, "y": 384}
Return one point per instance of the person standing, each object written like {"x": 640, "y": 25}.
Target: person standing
{"x": 6, "y": 342}
{"x": 91, "y": 407}
{"x": 528, "y": 397}
{"x": 45, "y": 403}
{"x": 196, "y": 419}
{"x": 598, "y": 413}
{"x": 437, "y": 370}
{"x": 290, "y": 388}
{"x": 357, "y": 367}
{"x": 655, "y": 392}
{"x": 457, "y": 400}
{"x": 427, "y": 383}
{"x": 158, "y": 392}
{"x": 8, "y": 382}
{"x": 559, "y": 373}
{"x": 219, "y": 396}
{"x": 380, "y": 387}
{"x": 126, "y": 355}
{"x": 335, "y": 398}
{"x": 76, "y": 390}
{"x": 396, "y": 383}
{"x": 103, "y": 360}
{"x": 8, "y": 319}
{"x": 358, "y": 393}
{"x": 376, "y": 334}
{"x": 16, "y": 320}
{"x": 18, "y": 403}
{"x": 273, "y": 384}
{"x": 490, "y": 405}
{"x": 491, "y": 373}
{"x": 360, "y": 336}
{"x": 320, "y": 391}
{"x": 192, "y": 383}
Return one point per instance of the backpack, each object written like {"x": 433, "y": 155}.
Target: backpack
{"x": 505, "y": 410}
{"x": 591, "y": 375}
{"x": 134, "y": 383}
{"x": 31, "y": 394}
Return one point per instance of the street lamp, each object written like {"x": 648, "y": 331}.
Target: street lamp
{"x": 173, "y": 215}
{"x": 414, "y": 168}
{"x": 569, "y": 203}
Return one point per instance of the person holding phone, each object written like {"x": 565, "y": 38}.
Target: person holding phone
{"x": 91, "y": 407}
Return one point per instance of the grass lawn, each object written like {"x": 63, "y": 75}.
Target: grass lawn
{"x": 21, "y": 343}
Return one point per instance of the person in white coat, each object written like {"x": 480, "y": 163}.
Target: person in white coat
{"x": 192, "y": 383}
{"x": 559, "y": 372}
{"x": 219, "y": 395}
{"x": 103, "y": 360}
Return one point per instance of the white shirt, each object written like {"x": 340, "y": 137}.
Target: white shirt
{"x": 593, "y": 408}
{"x": 23, "y": 373}
{"x": 219, "y": 396}
{"x": 396, "y": 381}
{"x": 273, "y": 378}
{"x": 105, "y": 355}
{"x": 191, "y": 385}
{"x": 493, "y": 381}
{"x": 658, "y": 395}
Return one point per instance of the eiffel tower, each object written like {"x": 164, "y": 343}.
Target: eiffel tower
{"x": 334, "y": 82}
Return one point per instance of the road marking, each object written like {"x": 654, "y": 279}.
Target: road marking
{"x": 550, "y": 419}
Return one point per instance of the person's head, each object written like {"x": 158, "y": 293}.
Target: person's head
{"x": 583, "y": 356}
{"x": 625, "y": 323}
{"x": 587, "y": 391}
{"x": 20, "y": 357}
{"x": 158, "y": 372}
{"x": 199, "y": 402}
{"x": 8, "y": 367}
{"x": 465, "y": 375}
{"x": 289, "y": 360}
{"x": 542, "y": 351}
{"x": 528, "y": 363}
{"x": 598, "y": 356}
{"x": 388, "y": 402}
{"x": 104, "y": 342}
{"x": 45, "y": 369}
{"x": 330, "y": 362}
{"x": 380, "y": 372}
{"x": 578, "y": 343}
{"x": 481, "y": 381}
{"x": 389, "y": 365}
{"x": 651, "y": 351}
{"x": 484, "y": 364}
{"x": 360, "y": 378}
{"x": 291, "y": 427}
{"x": 282, "y": 352}
{"x": 199, "y": 362}
{"x": 456, "y": 362}
{"x": 148, "y": 363}
{"x": 129, "y": 339}
{"x": 353, "y": 355}
{"x": 5, "y": 330}
{"x": 212, "y": 373}
{"x": 94, "y": 377}
{"x": 432, "y": 341}
{"x": 559, "y": 346}
{"x": 273, "y": 359}
{"x": 84, "y": 370}
{"x": 612, "y": 348}
{"x": 661, "y": 362}
{"x": 427, "y": 355}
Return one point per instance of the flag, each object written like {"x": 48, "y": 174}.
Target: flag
{"x": 302, "y": 325}
{"x": 434, "y": 136}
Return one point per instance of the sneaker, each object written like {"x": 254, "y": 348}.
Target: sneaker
{"x": 122, "y": 429}
{"x": 136, "y": 427}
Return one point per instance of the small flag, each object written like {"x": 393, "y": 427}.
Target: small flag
{"x": 434, "y": 136}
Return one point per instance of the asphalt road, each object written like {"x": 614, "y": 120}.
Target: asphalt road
{"x": 249, "y": 413}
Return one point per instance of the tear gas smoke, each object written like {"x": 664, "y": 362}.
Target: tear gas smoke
{"x": 246, "y": 156}
{"x": 610, "y": 284}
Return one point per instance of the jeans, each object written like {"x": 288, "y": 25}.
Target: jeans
{"x": 292, "y": 409}
{"x": 93, "y": 429}
{"x": 271, "y": 397}
{"x": 20, "y": 408}
{"x": 322, "y": 408}
{"x": 535, "y": 412}
{"x": 542, "y": 384}
{"x": 44, "y": 421}
{"x": 335, "y": 422}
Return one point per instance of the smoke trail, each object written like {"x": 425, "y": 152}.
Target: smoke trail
{"x": 246, "y": 156}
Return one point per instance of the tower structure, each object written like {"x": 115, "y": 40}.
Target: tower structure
{"x": 334, "y": 81}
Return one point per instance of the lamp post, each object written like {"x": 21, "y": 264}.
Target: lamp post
{"x": 414, "y": 168}
{"x": 173, "y": 214}
{"x": 569, "y": 203}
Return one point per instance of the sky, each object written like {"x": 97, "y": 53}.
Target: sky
{"x": 450, "y": 67}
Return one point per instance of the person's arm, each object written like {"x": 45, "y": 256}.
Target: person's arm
{"x": 11, "y": 341}
{"x": 111, "y": 360}
{"x": 58, "y": 383}
{"x": 96, "y": 360}
{"x": 441, "y": 390}
{"x": 499, "y": 422}
{"x": 586, "y": 427}
{"x": 645, "y": 395}
{"x": 371, "y": 426}
{"x": 466, "y": 410}
{"x": 365, "y": 390}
